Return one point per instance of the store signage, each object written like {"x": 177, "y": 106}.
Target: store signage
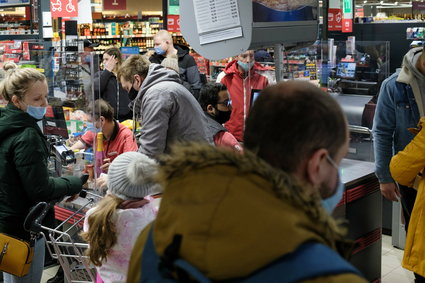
{"x": 173, "y": 7}
{"x": 173, "y": 23}
{"x": 418, "y": 6}
{"x": 114, "y": 5}
{"x": 347, "y": 6}
{"x": 334, "y": 19}
{"x": 347, "y": 25}
{"x": 64, "y": 8}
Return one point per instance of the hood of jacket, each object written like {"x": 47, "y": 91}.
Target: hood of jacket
{"x": 226, "y": 205}
{"x": 156, "y": 74}
{"x": 181, "y": 50}
{"x": 12, "y": 120}
{"x": 232, "y": 68}
{"x": 410, "y": 75}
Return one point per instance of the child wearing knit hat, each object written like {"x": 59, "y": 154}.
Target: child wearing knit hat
{"x": 112, "y": 227}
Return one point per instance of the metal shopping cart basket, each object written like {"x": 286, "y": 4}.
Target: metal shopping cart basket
{"x": 63, "y": 242}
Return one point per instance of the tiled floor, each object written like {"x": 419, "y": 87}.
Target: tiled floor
{"x": 392, "y": 272}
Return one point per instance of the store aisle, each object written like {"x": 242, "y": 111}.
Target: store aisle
{"x": 392, "y": 272}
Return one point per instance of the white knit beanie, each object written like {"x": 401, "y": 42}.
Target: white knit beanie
{"x": 130, "y": 176}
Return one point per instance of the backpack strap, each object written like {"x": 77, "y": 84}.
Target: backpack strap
{"x": 310, "y": 260}
{"x": 156, "y": 269}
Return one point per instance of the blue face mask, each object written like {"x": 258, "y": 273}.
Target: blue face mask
{"x": 330, "y": 203}
{"x": 159, "y": 51}
{"x": 245, "y": 66}
{"x": 36, "y": 112}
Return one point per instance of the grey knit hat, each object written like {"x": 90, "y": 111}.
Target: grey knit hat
{"x": 130, "y": 176}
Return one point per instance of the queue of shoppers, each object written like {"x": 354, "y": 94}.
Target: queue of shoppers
{"x": 220, "y": 167}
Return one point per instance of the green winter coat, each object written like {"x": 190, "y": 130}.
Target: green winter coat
{"x": 24, "y": 177}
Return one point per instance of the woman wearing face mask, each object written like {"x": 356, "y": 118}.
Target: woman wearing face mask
{"x": 24, "y": 177}
{"x": 241, "y": 76}
{"x": 215, "y": 102}
{"x": 107, "y": 87}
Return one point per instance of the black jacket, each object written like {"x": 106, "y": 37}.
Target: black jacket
{"x": 188, "y": 69}
{"x": 107, "y": 87}
{"x": 24, "y": 177}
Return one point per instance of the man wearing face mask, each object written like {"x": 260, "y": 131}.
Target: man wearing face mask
{"x": 241, "y": 76}
{"x": 166, "y": 110}
{"x": 215, "y": 102}
{"x": 188, "y": 70}
{"x": 266, "y": 210}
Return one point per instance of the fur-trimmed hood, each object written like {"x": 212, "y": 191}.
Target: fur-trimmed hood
{"x": 235, "y": 212}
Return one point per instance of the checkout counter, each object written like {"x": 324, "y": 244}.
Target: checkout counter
{"x": 361, "y": 206}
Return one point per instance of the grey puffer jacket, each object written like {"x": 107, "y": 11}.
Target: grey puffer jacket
{"x": 168, "y": 112}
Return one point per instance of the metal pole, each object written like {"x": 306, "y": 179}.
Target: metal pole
{"x": 278, "y": 62}
{"x": 325, "y": 20}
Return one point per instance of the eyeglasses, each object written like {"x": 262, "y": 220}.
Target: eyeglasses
{"x": 227, "y": 103}
{"x": 332, "y": 162}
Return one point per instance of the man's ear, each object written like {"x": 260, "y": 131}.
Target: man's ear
{"x": 210, "y": 109}
{"x": 315, "y": 169}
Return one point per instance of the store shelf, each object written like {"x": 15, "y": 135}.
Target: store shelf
{"x": 19, "y": 36}
{"x": 120, "y": 36}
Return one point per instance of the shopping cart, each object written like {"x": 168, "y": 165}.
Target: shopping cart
{"x": 63, "y": 242}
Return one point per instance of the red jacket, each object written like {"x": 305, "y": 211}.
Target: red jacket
{"x": 240, "y": 93}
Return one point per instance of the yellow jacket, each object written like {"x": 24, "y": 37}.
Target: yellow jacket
{"x": 405, "y": 167}
{"x": 236, "y": 214}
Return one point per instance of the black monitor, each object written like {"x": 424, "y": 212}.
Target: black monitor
{"x": 255, "y": 93}
{"x": 346, "y": 70}
{"x": 54, "y": 122}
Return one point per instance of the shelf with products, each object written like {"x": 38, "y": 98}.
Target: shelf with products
{"x": 120, "y": 29}
{"x": 302, "y": 64}
{"x": 19, "y": 21}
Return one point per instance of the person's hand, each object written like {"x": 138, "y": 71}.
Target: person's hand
{"x": 390, "y": 191}
{"x": 72, "y": 198}
{"x": 105, "y": 166}
{"x": 102, "y": 182}
{"x": 111, "y": 63}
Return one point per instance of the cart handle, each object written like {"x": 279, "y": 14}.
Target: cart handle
{"x": 35, "y": 217}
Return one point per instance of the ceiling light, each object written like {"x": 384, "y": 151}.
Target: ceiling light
{"x": 365, "y": 1}
{"x": 395, "y": 3}
{"x": 382, "y": 2}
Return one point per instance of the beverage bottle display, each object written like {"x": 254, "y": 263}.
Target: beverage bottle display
{"x": 99, "y": 154}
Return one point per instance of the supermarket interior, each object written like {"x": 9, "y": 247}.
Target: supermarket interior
{"x": 109, "y": 69}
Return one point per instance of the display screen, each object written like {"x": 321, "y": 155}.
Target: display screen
{"x": 346, "y": 70}
{"x": 255, "y": 93}
{"x": 54, "y": 122}
{"x": 284, "y": 11}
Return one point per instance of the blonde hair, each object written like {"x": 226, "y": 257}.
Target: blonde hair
{"x": 134, "y": 65}
{"x": 164, "y": 35}
{"x": 102, "y": 234}
{"x": 18, "y": 81}
{"x": 9, "y": 65}
{"x": 171, "y": 62}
